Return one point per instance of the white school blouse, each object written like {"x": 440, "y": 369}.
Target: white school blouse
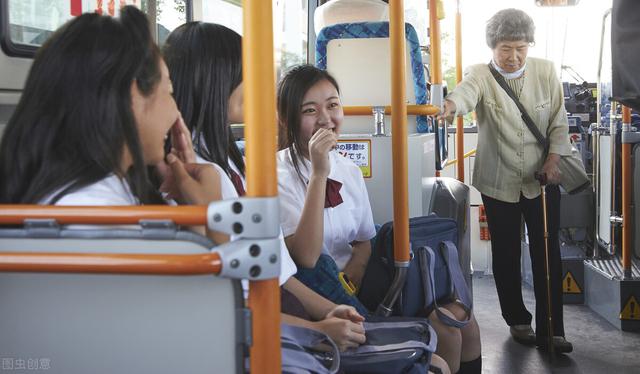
{"x": 347, "y": 222}
{"x": 287, "y": 266}
{"x": 109, "y": 191}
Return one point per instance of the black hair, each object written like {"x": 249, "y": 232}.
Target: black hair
{"x": 291, "y": 90}
{"x": 75, "y": 116}
{"x": 205, "y": 66}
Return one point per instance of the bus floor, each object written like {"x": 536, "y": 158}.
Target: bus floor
{"x": 598, "y": 347}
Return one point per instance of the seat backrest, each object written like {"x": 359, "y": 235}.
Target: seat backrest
{"x": 112, "y": 323}
{"x": 358, "y": 56}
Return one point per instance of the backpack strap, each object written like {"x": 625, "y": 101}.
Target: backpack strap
{"x": 450, "y": 254}
{"x": 372, "y": 327}
{"x": 426, "y": 260}
{"x": 296, "y": 344}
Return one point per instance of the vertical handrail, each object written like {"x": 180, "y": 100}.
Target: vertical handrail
{"x": 613, "y": 212}
{"x": 596, "y": 143}
{"x": 399, "y": 134}
{"x": 435, "y": 62}
{"x": 626, "y": 194}
{"x": 460, "y": 121}
{"x": 434, "y": 39}
{"x": 260, "y": 130}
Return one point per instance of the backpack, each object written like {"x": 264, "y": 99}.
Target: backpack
{"x": 307, "y": 351}
{"x": 394, "y": 345}
{"x": 434, "y": 274}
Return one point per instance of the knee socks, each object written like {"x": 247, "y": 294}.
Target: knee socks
{"x": 471, "y": 367}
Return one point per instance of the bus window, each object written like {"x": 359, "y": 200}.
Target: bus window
{"x": 169, "y": 15}
{"x": 289, "y": 27}
{"x": 31, "y": 22}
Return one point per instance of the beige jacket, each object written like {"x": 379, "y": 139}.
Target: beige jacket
{"x": 508, "y": 154}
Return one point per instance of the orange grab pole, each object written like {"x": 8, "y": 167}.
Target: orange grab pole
{"x": 434, "y": 38}
{"x": 435, "y": 53}
{"x": 626, "y": 196}
{"x": 209, "y": 263}
{"x": 399, "y": 137}
{"x": 101, "y": 215}
{"x": 415, "y": 110}
{"x": 460, "y": 121}
{"x": 260, "y": 130}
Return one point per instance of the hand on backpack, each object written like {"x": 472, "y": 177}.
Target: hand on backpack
{"x": 344, "y": 333}
{"x": 345, "y": 312}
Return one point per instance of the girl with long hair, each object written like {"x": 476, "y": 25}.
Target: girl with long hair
{"x": 93, "y": 118}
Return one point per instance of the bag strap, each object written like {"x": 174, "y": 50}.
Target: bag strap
{"x": 450, "y": 254}
{"x": 307, "y": 339}
{"x": 523, "y": 112}
{"x": 371, "y": 327}
{"x": 426, "y": 260}
{"x": 366, "y": 348}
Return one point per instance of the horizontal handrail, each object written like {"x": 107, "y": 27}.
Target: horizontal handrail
{"x": 466, "y": 155}
{"x": 192, "y": 215}
{"x": 191, "y": 264}
{"x": 416, "y": 110}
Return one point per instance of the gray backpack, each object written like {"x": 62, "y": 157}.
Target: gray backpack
{"x": 306, "y": 351}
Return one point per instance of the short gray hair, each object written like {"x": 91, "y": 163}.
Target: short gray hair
{"x": 510, "y": 25}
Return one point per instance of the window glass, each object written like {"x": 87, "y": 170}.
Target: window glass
{"x": 169, "y": 15}
{"x": 31, "y": 22}
{"x": 289, "y": 27}
{"x": 417, "y": 14}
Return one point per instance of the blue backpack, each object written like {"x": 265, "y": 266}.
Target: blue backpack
{"x": 307, "y": 351}
{"x": 434, "y": 275}
{"x": 394, "y": 345}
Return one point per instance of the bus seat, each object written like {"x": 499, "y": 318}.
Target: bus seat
{"x": 103, "y": 323}
{"x": 358, "y": 56}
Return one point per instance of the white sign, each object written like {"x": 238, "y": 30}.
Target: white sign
{"x": 358, "y": 151}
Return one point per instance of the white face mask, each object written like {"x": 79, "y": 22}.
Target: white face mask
{"x": 516, "y": 74}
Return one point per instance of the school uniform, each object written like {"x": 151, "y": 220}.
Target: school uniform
{"x": 347, "y": 218}
{"x": 228, "y": 190}
{"x": 348, "y": 221}
{"x": 111, "y": 190}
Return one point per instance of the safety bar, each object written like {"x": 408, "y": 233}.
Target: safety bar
{"x": 399, "y": 137}
{"x": 192, "y": 215}
{"x": 413, "y": 110}
{"x": 261, "y": 132}
{"x": 466, "y": 155}
{"x": 437, "y": 90}
{"x": 460, "y": 121}
{"x": 399, "y": 158}
{"x": 627, "y": 219}
{"x": 191, "y": 264}
{"x": 434, "y": 39}
{"x": 596, "y": 142}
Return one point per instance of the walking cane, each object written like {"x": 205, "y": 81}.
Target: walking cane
{"x": 542, "y": 178}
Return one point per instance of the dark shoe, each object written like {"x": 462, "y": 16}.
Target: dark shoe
{"x": 523, "y": 334}
{"x": 560, "y": 345}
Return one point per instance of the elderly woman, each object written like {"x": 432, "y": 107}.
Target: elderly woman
{"x": 507, "y": 158}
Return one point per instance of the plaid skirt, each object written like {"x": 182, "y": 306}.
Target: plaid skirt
{"x": 323, "y": 279}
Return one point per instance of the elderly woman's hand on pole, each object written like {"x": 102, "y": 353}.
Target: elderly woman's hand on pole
{"x": 448, "y": 111}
